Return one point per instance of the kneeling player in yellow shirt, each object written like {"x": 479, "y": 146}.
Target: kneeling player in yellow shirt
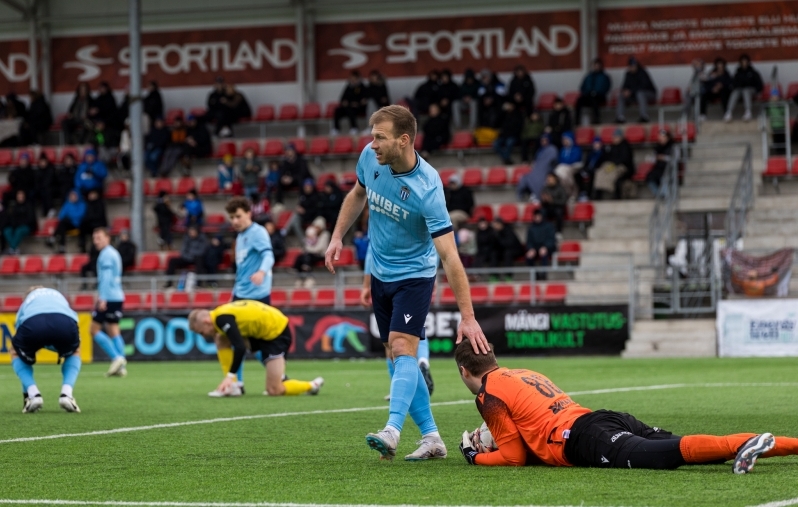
{"x": 255, "y": 326}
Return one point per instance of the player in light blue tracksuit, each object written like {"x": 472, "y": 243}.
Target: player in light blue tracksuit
{"x": 45, "y": 320}
{"x": 110, "y": 299}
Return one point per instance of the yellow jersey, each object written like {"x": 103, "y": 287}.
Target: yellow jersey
{"x": 255, "y": 320}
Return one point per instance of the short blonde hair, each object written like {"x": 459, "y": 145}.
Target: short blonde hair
{"x": 402, "y": 119}
{"x": 195, "y": 317}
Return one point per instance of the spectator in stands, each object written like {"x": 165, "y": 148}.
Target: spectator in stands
{"x": 20, "y": 222}
{"x": 125, "y": 147}
{"x": 192, "y": 253}
{"x": 490, "y": 84}
{"x": 69, "y": 219}
{"x": 153, "y": 102}
{"x": 307, "y": 210}
{"x": 469, "y": 100}
{"x": 226, "y": 173}
{"x": 330, "y": 201}
{"x": 293, "y": 171}
{"x": 559, "y": 122}
{"x": 361, "y": 242}
{"x": 593, "y": 93}
{"x": 91, "y": 174}
{"x": 487, "y": 244}
{"x": 175, "y": 148}
{"x": 530, "y": 134}
{"x": 532, "y": 183}
{"x": 261, "y": 209}
{"x": 509, "y": 246}
{"x": 541, "y": 242}
{"x": 90, "y": 268}
{"x": 718, "y": 85}
{"x": 522, "y": 84}
{"x": 510, "y": 133}
{"x": 198, "y": 142}
{"x": 250, "y": 173}
{"x": 127, "y": 250}
{"x": 747, "y": 82}
{"x": 569, "y": 162}
{"x": 352, "y": 104}
{"x": 214, "y": 255}
{"x": 553, "y": 199}
{"x": 316, "y": 241}
{"x": 155, "y": 144}
{"x": 64, "y": 180}
{"x": 234, "y": 107}
{"x": 777, "y": 121}
{"x": 103, "y": 143}
{"x": 466, "y": 246}
{"x": 278, "y": 243}
{"x": 448, "y": 94}
{"x": 617, "y": 168}
{"x": 426, "y": 94}
{"x": 696, "y": 86}
{"x": 14, "y": 107}
{"x": 38, "y": 121}
{"x": 377, "y": 90}
{"x": 459, "y": 201}
{"x": 21, "y": 178}
{"x": 192, "y": 209}
{"x": 94, "y": 217}
{"x": 165, "y": 217}
{"x": 104, "y": 108}
{"x": 593, "y": 161}
{"x": 637, "y": 85}
{"x": 436, "y": 131}
{"x": 272, "y": 179}
{"x": 45, "y": 173}
{"x": 77, "y": 124}
{"x": 662, "y": 153}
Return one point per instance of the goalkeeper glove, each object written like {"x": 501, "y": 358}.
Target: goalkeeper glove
{"x": 469, "y": 453}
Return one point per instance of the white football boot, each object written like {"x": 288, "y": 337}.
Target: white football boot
{"x": 68, "y": 403}
{"x": 429, "y": 448}
{"x": 31, "y": 405}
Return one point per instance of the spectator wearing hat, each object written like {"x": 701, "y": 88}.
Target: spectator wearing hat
{"x": 64, "y": 179}
{"x": 307, "y": 209}
{"x": 234, "y": 107}
{"x": 459, "y": 201}
{"x": 593, "y": 93}
{"x": 192, "y": 253}
{"x": 541, "y": 242}
{"x": 22, "y": 177}
{"x": 165, "y": 217}
{"x": 293, "y": 171}
{"x": 532, "y": 183}
{"x": 593, "y": 161}
{"x": 569, "y": 162}
{"x": 226, "y": 173}
{"x": 637, "y": 85}
{"x": 559, "y": 122}
{"x": 90, "y": 174}
{"x": 352, "y": 104}
{"x": 155, "y": 144}
{"x": 746, "y": 83}
{"x": 127, "y": 250}
{"x": 448, "y": 94}
{"x": 522, "y": 84}
{"x": 510, "y": 132}
{"x": 436, "y": 131}
{"x": 20, "y": 222}
{"x": 617, "y": 168}
{"x": 192, "y": 209}
{"x": 315, "y": 243}
{"x": 70, "y": 218}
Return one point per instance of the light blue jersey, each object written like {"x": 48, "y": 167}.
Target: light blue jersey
{"x": 44, "y": 301}
{"x": 406, "y": 210}
{"x": 109, "y": 275}
{"x": 367, "y": 262}
{"x": 253, "y": 253}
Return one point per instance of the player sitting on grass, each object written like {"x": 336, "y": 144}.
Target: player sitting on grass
{"x": 259, "y": 327}
{"x": 45, "y": 320}
{"x": 534, "y": 422}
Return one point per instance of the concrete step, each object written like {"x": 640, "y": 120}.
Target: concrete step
{"x": 699, "y": 203}
{"x": 672, "y": 338}
{"x": 638, "y": 248}
{"x": 641, "y": 350}
{"x": 622, "y": 208}
{"x": 712, "y": 128}
{"x": 593, "y": 292}
{"x": 723, "y": 164}
{"x": 778, "y": 202}
{"x": 751, "y": 242}
{"x": 774, "y": 214}
{"x": 707, "y": 191}
{"x": 609, "y": 231}
{"x": 772, "y": 228}
{"x": 710, "y": 151}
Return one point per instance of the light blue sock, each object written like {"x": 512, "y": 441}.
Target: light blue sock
{"x": 70, "y": 369}
{"x": 423, "y": 350}
{"x": 240, "y": 374}
{"x": 259, "y": 356}
{"x": 389, "y": 362}
{"x": 105, "y": 343}
{"x": 403, "y": 389}
{"x": 420, "y": 411}
{"x": 119, "y": 345}
{"x": 25, "y": 373}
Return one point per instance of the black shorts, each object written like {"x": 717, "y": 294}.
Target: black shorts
{"x": 608, "y": 439}
{"x": 111, "y": 315}
{"x": 272, "y": 349}
{"x": 402, "y": 306}
{"x": 265, "y": 300}
{"x": 53, "y": 331}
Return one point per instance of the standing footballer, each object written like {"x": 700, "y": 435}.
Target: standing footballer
{"x": 110, "y": 298}
{"x": 409, "y": 229}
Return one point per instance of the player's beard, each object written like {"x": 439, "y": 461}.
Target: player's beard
{"x": 391, "y": 155}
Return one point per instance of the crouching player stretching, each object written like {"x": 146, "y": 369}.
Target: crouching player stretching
{"x": 260, "y": 328}
{"x": 534, "y": 422}
{"x": 45, "y": 321}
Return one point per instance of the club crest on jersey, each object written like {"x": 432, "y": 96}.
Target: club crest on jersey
{"x": 404, "y": 193}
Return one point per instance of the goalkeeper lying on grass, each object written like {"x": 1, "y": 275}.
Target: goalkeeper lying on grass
{"x": 533, "y": 422}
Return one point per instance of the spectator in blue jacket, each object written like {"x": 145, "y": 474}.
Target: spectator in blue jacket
{"x": 361, "y": 242}
{"x": 226, "y": 173}
{"x": 570, "y": 162}
{"x": 69, "y": 218}
{"x": 192, "y": 207}
{"x": 91, "y": 174}
{"x": 593, "y": 92}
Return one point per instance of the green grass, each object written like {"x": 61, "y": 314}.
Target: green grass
{"x": 323, "y": 458}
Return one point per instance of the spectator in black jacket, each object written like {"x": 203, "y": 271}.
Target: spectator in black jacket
{"x": 22, "y": 177}
{"x": 307, "y": 209}
{"x": 45, "y": 174}
{"x": 553, "y": 198}
{"x": 64, "y": 180}
{"x": 214, "y": 103}
{"x": 459, "y": 201}
{"x": 593, "y": 161}
{"x": 105, "y": 109}
{"x": 510, "y": 133}
{"x": 717, "y": 86}
{"x": 747, "y": 82}
{"x": 541, "y": 242}
{"x": 662, "y": 153}
{"x": 213, "y": 257}
{"x": 234, "y": 107}
{"x": 153, "y": 102}
{"x": 293, "y": 171}
{"x": 155, "y": 144}
{"x": 330, "y": 202}
{"x": 198, "y": 142}
{"x": 618, "y": 167}
{"x": 377, "y": 90}
{"x": 469, "y": 100}
{"x": 436, "y": 131}
{"x": 165, "y": 216}
{"x": 278, "y": 243}
{"x": 38, "y": 120}
{"x": 559, "y": 122}
{"x": 637, "y": 85}
{"x": 448, "y": 94}
{"x": 127, "y": 250}
{"x": 77, "y": 125}
{"x": 20, "y": 222}
{"x": 593, "y": 92}
{"x": 522, "y": 83}
{"x": 509, "y": 246}
{"x": 94, "y": 217}
{"x": 427, "y": 93}
{"x": 352, "y": 104}
{"x": 192, "y": 253}
{"x": 487, "y": 244}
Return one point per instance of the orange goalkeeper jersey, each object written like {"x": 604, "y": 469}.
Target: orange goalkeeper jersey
{"x": 525, "y": 405}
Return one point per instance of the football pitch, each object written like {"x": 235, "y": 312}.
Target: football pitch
{"x": 155, "y": 437}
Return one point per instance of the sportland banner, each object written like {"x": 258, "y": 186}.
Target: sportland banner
{"x": 7, "y": 330}
{"x": 409, "y": 47}
{"x": 555, "y": 330}
{"x": 676, "y": 34}
{"x": 757, "y": 328}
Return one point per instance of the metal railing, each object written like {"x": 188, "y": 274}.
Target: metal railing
{"x": 669, "y": 292}
{"x": 767, "y": 130}
{"x": 741, "y": 200}
{"x": 661, "y": 220}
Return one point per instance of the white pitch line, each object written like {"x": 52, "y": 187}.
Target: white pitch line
{"x": 367, "y": 409}
{"x": 228, "y": 504}
{"x": 780, "y": 503}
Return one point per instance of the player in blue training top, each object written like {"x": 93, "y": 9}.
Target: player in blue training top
{"x": 423, "y": 345}
{"x": 45, "y": 320}
{"x": 409, "y": 229}
{"x": 254, "y": 263}
{"x": 110, "y": 298}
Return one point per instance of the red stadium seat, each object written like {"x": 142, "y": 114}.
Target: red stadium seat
{"x": 681, "y": 130}
{"x": 133, "y": 301}
{"x": 48, "y": 228}
{"x": 462, "y": 140}
{"x": 584, "y": 136}
{"x": 119, "y": 223}
{"x": 343, "y": 145}
{"x": 606, "y": 133}
{"x": 225, "y": 148}
{"x": 116, "y": 189}
{"x": 178, "y": 300}
{"x": 68, "y": 150}
{"x": 482, "y": 211}
{"x": 49, "y": 152}
{"x": 185, "y": 184}
{"x": 56, "y": 265}
{"x": 319, "y": 146}
{"x": 352, "y": 297}
{"x": 508, "y": 213}
{"x": 347, "y": 181}
{"x": 283, "y": 219}
{"x": 300, "y": 144}
{"x": 273, "y": 148}
{"x": 795, "y": 165}
{"x": 363, "y": 141}
{"x": 529, "y": 211}
{"x": 12, "y": 303}
{"x": 653, "y": 132}
{"x": 555, "y": 293}
{"x": 635, "y": 134}
{"x": 300, "y": 298}
{"x": 497, "y": 176}
{"x": 225, "y": 296}
{"x": 777, "y": 166}
{"x": 159, "y": 300}
{"x": 290, "y": 257}
{"x": 546, "y": 101}
{"x": 583, "y": 212}
{"x": 503, "y": 294}
{"x": 33, "y": 265}
{"x": 76, "y": 262}
{"x": 569, "y": 251}
{"x": 323, "y": 179}
{"x": 209, "y": 186}
{"x": 6, "y": 157}
{"x": 419, "y": 142}
{"x": 83, "y": 302}
{"x": 311, "y": 111}
{"x": 612, "y": 99}
{"x": 447, "y": 296}
{"x": 250, "y": 144}
{"x": 215, "y": 222}
{"x": 472, "y": 177}
{"x": 325, "y": 297}
{"x": 172, "y": 115}
{"x": 204, "y": 299}
{"x": 198, "y": 112}
{"x": 288, "y": 112}
{"x": 446, "y": 173}
{"x": 643, "y": 168}
{"x": 671, "y": 96}
{"x": 149, "y": 261}
{"x": 160, "y": 185}
{"x": 264, "y": 113}
{"x": 347, "y": 257}
{"x": 570, "y": 99}
{"x": 9, "y": 265}
{"x": 518, "y": 172}
{"x": 329, "y": 111}
{"x": 278, "y": 298}
{"x": 479, "y": 293}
